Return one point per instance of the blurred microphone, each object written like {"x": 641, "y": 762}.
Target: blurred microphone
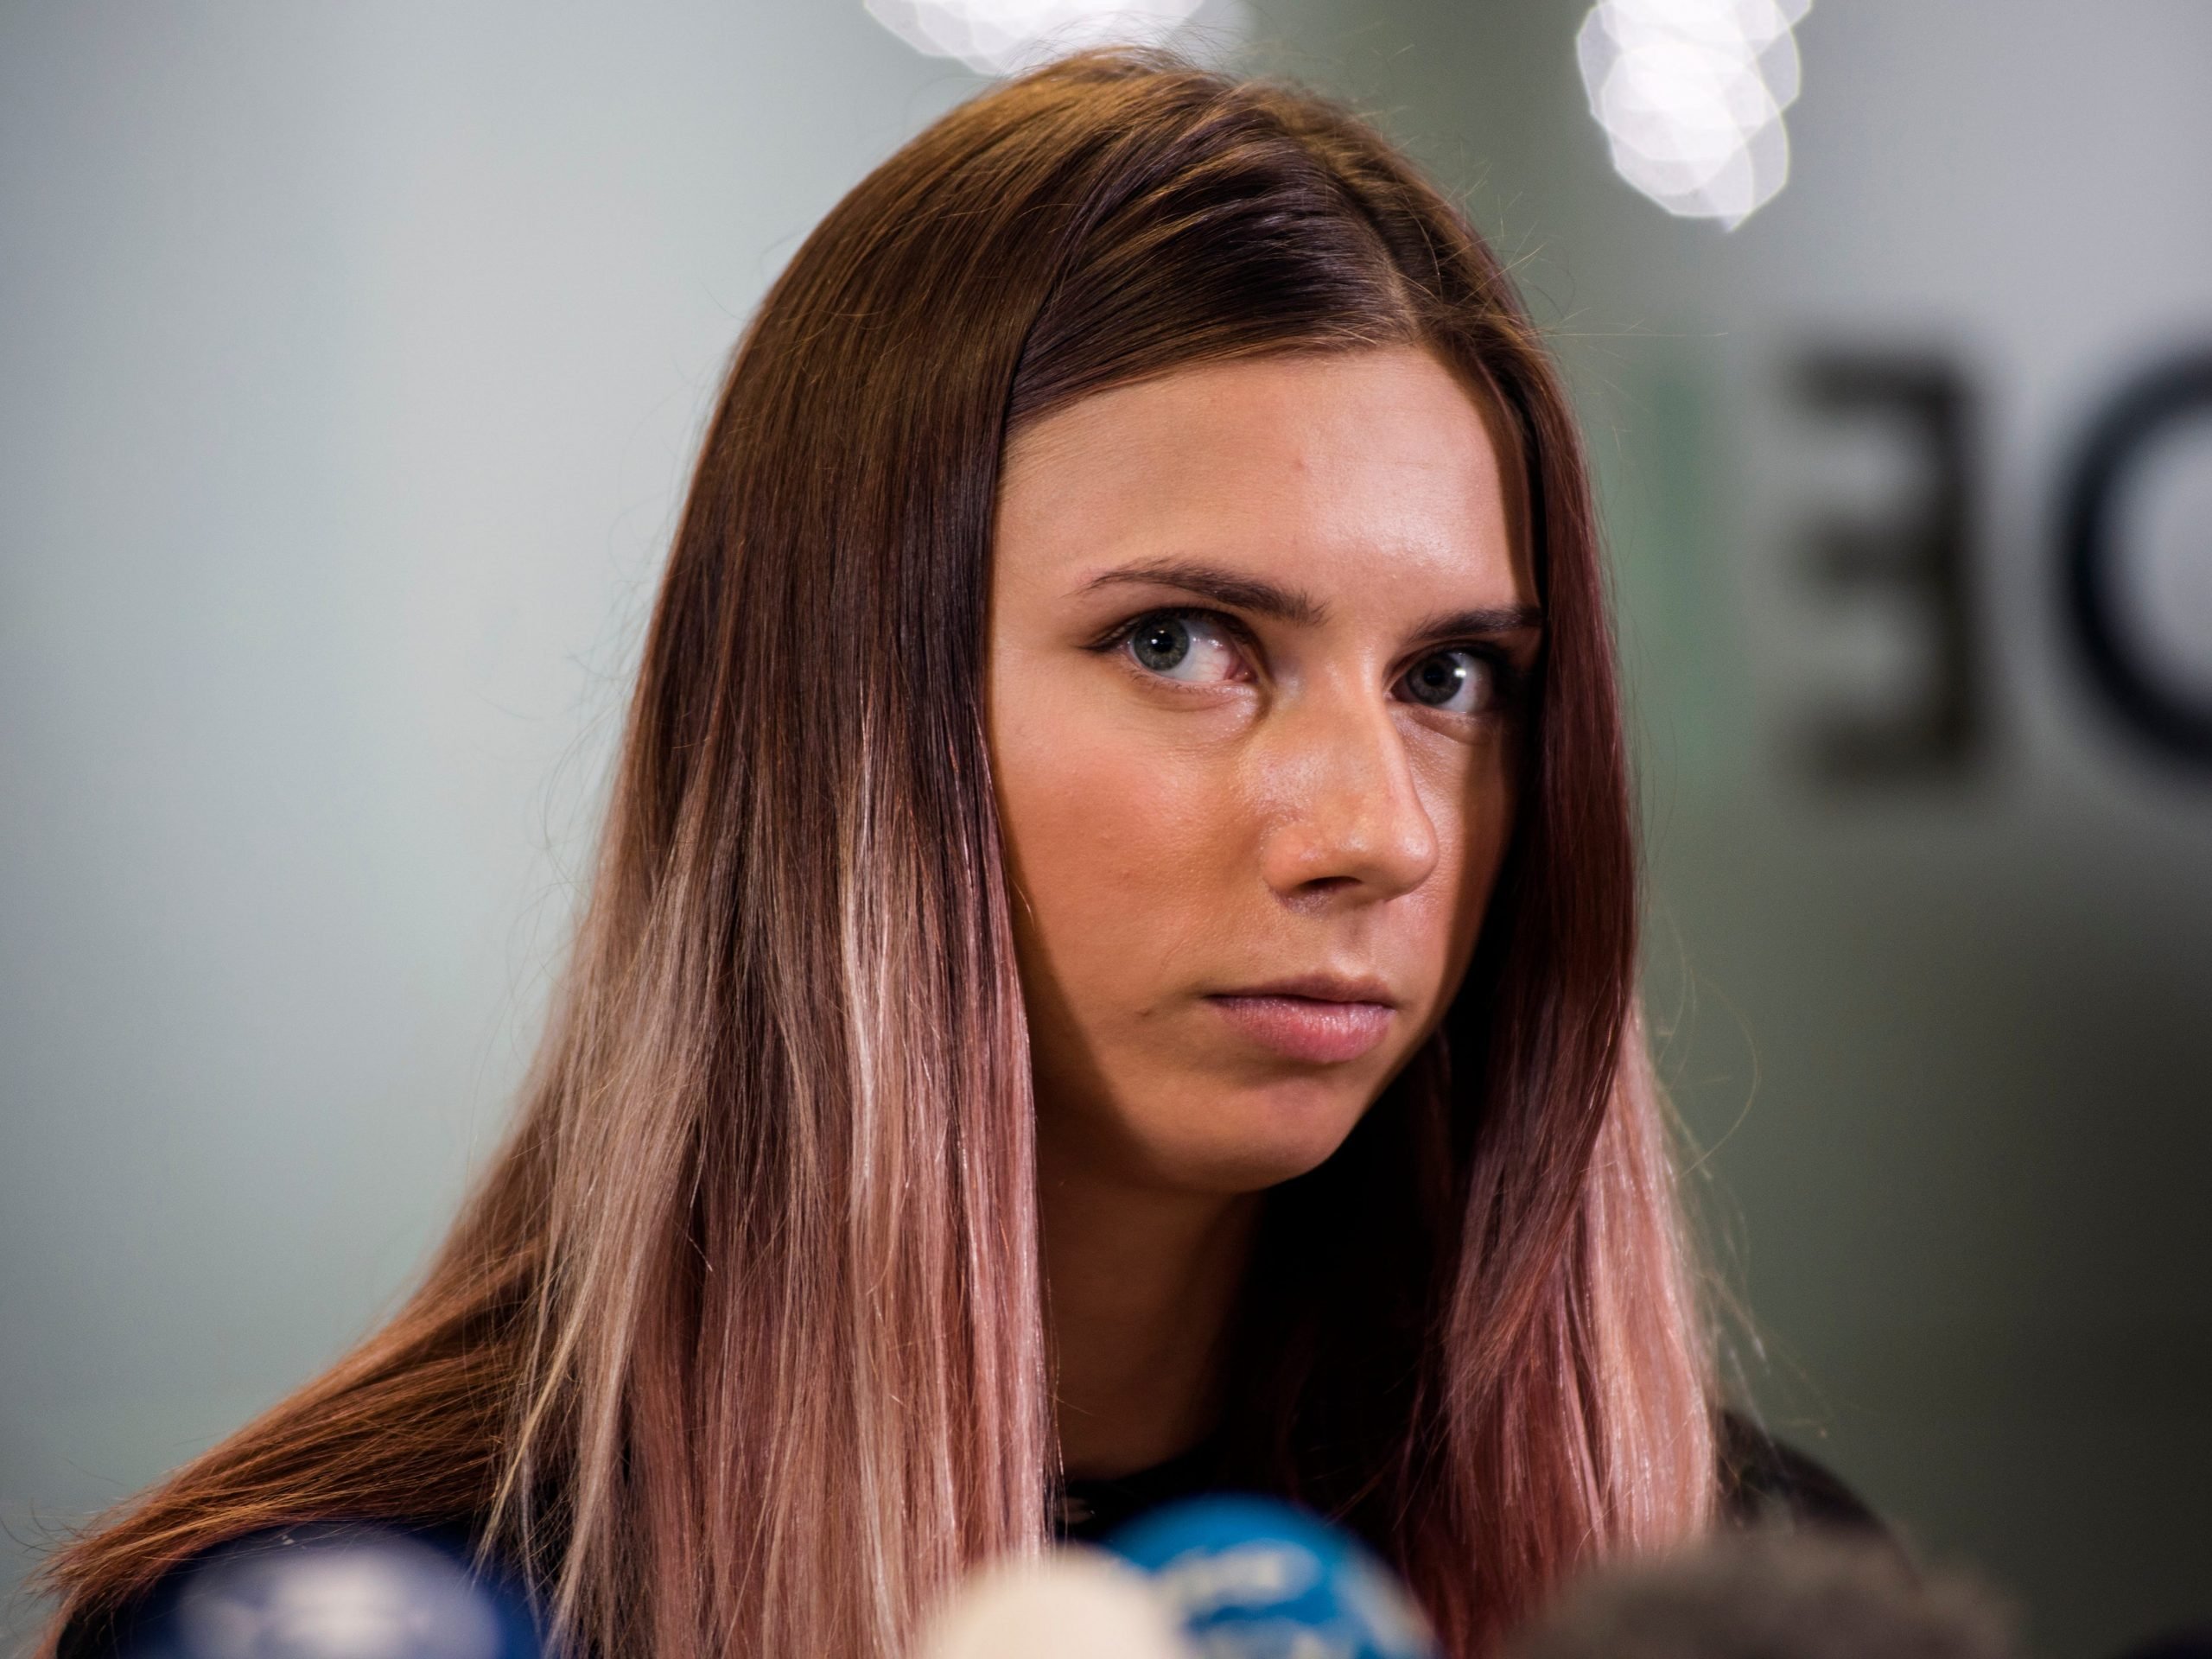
{"x": 1771, "y": 1595}
{"x": 2175, "y": 1644}
{"x": 335, "y": 1591}
{"x": 1249, "y": 1578}
{"x": 1209, "y": 1577}
{"x": 1073, "y": 1603}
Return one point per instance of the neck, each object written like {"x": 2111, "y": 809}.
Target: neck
{"x": 1140, "y": 1284}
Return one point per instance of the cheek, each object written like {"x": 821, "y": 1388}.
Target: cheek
{"x": 1114, "y": 841}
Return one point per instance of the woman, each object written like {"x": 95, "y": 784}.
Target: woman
{"x": 1110, "y": 967}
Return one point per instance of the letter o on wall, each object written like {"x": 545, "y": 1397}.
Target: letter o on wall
{"x": 2173, "y": 718}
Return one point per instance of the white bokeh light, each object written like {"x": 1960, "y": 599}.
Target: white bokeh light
{"x": 1690, "y": 93}
{"x": 994, "y": 36}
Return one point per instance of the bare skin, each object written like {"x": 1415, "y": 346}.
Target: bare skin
{"x": 1256, "y": 630}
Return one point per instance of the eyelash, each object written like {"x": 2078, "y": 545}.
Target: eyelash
{"x": 1506, "y": 674}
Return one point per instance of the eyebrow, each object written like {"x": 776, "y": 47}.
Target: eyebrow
{"x": 1484, "y": 620}
{"x": 1264, "y": 597}
{"x": 1251, "y": 594}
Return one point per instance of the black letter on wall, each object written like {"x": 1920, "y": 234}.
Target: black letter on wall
{"x": 2163, "y": 713}
{"x": 1927, "y": 555}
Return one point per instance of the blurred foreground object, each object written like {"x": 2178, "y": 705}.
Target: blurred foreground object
{"x": 1771, "y": 1595}
{"x": 330, "y": 1591}
{"x": 2175, "y": 1645}
{"x": 1074, "y": 1604}
{"x": 1250, "y": 1577}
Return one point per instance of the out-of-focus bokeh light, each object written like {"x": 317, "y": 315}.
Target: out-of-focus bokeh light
{"x": 994, "y": 36}
{"x": 1690, "y": 93}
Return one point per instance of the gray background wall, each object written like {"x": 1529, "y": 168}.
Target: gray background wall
{"x": 352, "y": 362}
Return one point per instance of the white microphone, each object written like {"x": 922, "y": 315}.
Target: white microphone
{"x": 1075, "y": 1603}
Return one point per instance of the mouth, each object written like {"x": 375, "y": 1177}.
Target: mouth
{"x": 1319, "y": 1020}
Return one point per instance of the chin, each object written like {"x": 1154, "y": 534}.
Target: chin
{"x": 1264, "y": 1138}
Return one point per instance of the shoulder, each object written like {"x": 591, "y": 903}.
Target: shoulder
{"x": 330, "y": 1590}
{"x": 1765, "y": 1482}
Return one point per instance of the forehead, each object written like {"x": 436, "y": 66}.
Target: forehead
{"x": 1360, "y": 467}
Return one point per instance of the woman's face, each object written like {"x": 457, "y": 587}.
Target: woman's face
{"x": 1257, "y": 630}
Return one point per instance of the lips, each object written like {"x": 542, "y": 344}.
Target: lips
{"x": 1319, "y": 1020}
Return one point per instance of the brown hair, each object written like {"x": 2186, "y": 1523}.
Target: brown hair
{"x": 737, "y": 1349}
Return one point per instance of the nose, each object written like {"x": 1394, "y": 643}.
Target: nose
{"x": 1350, "y": 818}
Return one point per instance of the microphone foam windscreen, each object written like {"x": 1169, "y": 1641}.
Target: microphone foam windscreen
{"x": 1073, "y": 1604}
{"x": 1252, "y": 1578}
{"x": 1770, "y": 1595}
{"x": 335, "y": 1590}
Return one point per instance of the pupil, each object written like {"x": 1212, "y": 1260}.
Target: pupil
{"x": 1437, "y": 680}
{"x": 1162, "y": 644}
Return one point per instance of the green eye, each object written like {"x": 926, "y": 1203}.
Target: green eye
{"x": 1161, "y": 643}
{"x": 1456, "y": 681}
{"x": 1186, "y": 646}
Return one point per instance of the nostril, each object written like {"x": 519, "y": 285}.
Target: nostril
{"x": 1317, "y": 895}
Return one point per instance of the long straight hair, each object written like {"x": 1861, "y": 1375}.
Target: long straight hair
{"x": 737, "y": 1349}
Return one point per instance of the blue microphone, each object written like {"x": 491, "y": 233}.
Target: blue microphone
{"x": 1250, "y": 1577}
{"x": 331, "y": 1591}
